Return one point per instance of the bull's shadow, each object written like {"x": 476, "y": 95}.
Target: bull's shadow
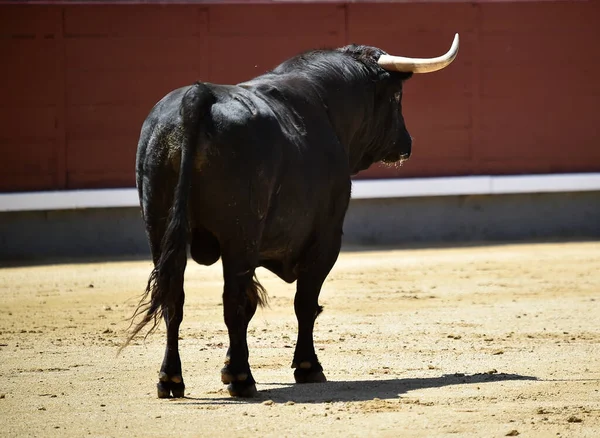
{"x": 356, "y": 390}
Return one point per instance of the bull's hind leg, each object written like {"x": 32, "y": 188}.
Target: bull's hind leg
{"x": 251, "y": 306}
{"x": 170, "y": 380}
{"x": 241, "y": 294}
{"x": 313, "y": 273}
{"x": 156, "y": 203}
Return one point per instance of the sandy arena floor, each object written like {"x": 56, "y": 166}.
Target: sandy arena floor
{"x": 486, "y": 341}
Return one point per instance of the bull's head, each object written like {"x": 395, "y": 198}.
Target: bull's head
{"x": 382, "y": 135}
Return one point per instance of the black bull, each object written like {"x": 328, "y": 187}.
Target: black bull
{"x": 259, "y": 174}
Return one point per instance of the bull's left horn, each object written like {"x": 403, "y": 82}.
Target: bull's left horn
{"x": 419, "y": 65}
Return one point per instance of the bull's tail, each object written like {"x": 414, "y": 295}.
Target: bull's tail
{"x": 164, "y": 285}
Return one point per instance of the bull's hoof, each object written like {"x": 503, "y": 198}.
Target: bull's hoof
{"x": 170, "y": 386}
{"x": 242, "y": 389}
{"x": 226, "y": 376}
{"x": 309, "y": 376}
{"x": 305, "y": 372}
{"x": 239, "y": 385}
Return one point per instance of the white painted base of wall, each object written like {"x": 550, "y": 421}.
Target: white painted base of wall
{"x": 362, "y": 189}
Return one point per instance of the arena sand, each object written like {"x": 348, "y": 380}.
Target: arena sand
{"x": 487, "y": 341}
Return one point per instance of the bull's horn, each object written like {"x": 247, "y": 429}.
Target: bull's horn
{"x": 419, "y": 65}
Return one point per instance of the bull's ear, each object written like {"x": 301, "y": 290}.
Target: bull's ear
{"x": 405, "y": 76}
{"x": 400, "y": 76}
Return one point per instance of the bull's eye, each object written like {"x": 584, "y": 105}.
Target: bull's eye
{"x": 398, "y": 97}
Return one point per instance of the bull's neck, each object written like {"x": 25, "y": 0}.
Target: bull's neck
{"x": 344, "y": 103}
{"x": 349, "y": 111}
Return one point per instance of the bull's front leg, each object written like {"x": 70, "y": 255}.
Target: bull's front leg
{"x": 307, "y": 308}
{"x": 313, "y": 271}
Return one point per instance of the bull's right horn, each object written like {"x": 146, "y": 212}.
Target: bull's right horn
{"x": 419, "y": 65}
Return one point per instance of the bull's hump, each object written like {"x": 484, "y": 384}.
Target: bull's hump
{"x": 241, "y": 108}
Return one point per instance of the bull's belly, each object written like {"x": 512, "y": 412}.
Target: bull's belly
{"x": 283, "y": 242}
{"x": 286, "y": 271}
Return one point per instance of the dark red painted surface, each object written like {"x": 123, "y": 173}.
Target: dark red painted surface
{"x": 523, "y": 95}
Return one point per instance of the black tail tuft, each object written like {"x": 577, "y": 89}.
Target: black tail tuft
{"x": 319, "y": 311}
{"x": 256, "y": 293}
{"x": 166, "y": 276}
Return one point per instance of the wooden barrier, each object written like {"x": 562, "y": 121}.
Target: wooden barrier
{"x": 523, "y": 96}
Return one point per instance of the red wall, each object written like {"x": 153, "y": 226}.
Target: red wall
{"x": 523, "y": 96}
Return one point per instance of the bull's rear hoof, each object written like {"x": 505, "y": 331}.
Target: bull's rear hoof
{"x": 242, "y": 389}
{"x": 226, "y": 376}
{"x": 240, "y": 384}
{"x": 163, "y": 390}
{"x": 309, "y": 376}
{"x": 178, "y": 392}
{"x": 167, "y": 387}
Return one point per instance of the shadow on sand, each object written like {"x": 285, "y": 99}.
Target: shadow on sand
{"x": 357, "y": 390}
